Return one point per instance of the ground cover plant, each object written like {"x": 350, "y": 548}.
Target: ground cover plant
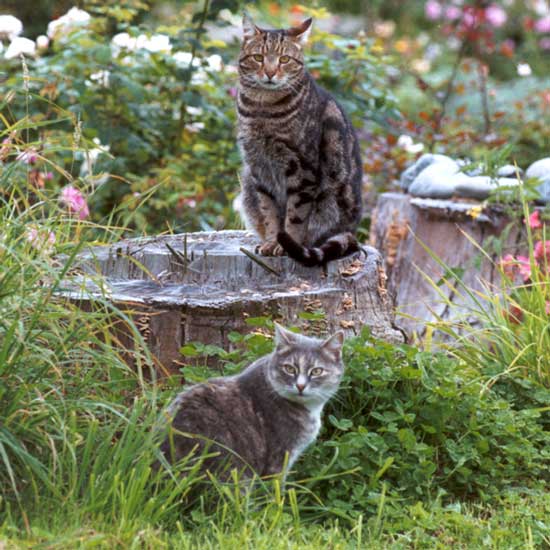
{"x": 421, "y": 448}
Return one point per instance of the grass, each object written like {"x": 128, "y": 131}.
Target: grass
{"x": 510, "y": 344}
{"x": 517, "y": 522}
{"x": 419, "y": 450}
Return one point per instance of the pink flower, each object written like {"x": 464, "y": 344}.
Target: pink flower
{"x": 524, "y": 267}
{"x": 495, "y": 15}
{"x": 543, "y": 24}
{"x": 75, "y": 201}
{"x": 452, "y": 13}
{"x": 470, "y": 19}
{"x": 534, "y": 220}
{"x": 547, "y": 308}
{"x": 433, "y": 10}
{"x": 544, "y": 43}
{"x": 40, "y": 239}
{"x": 508, "y": 266}
{"x": 28, "y": 157}
{"x": 233, "y": 92}
{"x": 542, "y": 252}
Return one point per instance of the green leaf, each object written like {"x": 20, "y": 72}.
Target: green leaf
{"x": 189, "y": 350}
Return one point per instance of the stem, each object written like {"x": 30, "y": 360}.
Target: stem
{"x": 483, "y": 71}
{"x": 448, "y": 92}
{"x": 183, "y": 112}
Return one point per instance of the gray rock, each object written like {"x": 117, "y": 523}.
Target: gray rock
{"x": 410, "y": 174}
{"x": 480, "y": 187}
{"x": 541, "y": 170}
{"x": 469, "y": 167}
{"x": 474, "y": 171}
{"x": 437, "y": 181}
{"x": 509, "y": 171}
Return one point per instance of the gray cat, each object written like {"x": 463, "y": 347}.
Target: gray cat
{"x": 302, "y": 169}
{"x": 262, "y": 417}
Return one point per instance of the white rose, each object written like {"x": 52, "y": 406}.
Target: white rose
{"x": 194, "y": 127}
{"x": 75, "y": 15}
{"x": 194, "y": 111}
{"x": 18, "y": 46}
{"x": 101, "y": 78}
{"x": 524, "y": 69}
{"x": 42, "y": 42}
{"x": 215, "y": 62}
{"x": 158, "y": 43}
{"x": 415, "y": 148}
{"x": 10, "y": 27}
{"x": 141, "y": 42}
{"x": 123, "y": 41}
{"x": 73, "y": 19}
{"x": 200, "y": 76}
{"x": 183, "y": 59}
{"x": 154, "y": 44}
{"x": 406, "y": 142}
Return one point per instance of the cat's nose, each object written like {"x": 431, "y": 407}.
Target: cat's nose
{"x": 270, "y": 73}
{"x": 300, "y": 387}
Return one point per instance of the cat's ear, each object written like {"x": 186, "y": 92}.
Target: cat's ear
{"x": 300, "y": 34}
{"x": 249, "y": 27}
{"x": 284, "y": 338}
{"x": 332, "y": 346}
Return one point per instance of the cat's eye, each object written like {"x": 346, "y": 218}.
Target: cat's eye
{"x": 259, "y": 58}
{"x": 284, "y": 59}
{"x": 317, "y": 371}
{"x": 289, "y": 369}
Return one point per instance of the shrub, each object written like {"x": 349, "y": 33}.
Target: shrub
{"x": 409, "y": 425}
{"x": 406, "y": 426}
{"x": 156, "y": 111}
{"x": 76, "y": 423}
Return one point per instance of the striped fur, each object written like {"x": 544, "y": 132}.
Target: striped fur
{"x": 302, "y": 169}
{"x": 333, "y": 248}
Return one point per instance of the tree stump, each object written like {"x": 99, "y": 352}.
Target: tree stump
{"x": 199, "y": 287}
{"x": 404, "y": 227}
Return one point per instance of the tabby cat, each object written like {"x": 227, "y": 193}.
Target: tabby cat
{"x": 302, "y": 171}
{"x": 255, "y": 420}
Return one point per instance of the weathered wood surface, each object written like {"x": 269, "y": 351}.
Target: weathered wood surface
{"x": 404, "y": 227}
{"x": 200, "y": 287}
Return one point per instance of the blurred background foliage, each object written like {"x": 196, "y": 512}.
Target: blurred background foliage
{"x": 151, "y": 87}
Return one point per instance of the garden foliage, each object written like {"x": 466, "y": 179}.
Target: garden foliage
{"x": 156, "y": 114}
{"x": 116, "y": 127}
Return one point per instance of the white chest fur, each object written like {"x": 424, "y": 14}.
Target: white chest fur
{"x": 308, "y": 436}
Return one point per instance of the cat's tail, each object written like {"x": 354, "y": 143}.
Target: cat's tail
{"x": 333, "y": 248}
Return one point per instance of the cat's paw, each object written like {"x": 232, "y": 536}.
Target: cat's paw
{"x": 270, "y": 248}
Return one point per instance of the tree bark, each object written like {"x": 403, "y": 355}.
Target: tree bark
{"x": 200, "y": 287}
{"x": 409, "y": 230}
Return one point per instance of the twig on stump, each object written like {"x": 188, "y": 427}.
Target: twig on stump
{"x": 262, "y": 264}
